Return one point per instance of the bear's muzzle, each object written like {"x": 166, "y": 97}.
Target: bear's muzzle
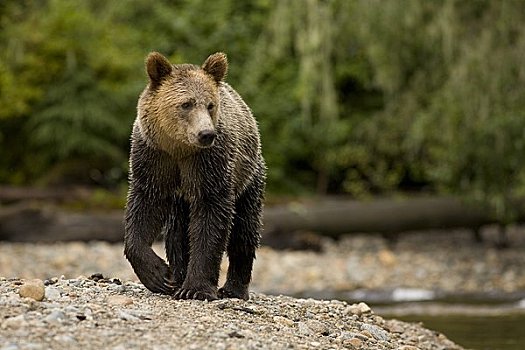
{"x": 206, "y": 137}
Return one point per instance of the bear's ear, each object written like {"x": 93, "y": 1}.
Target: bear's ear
{"x": 158, "y": 67}
{"x": 216, "y": 65}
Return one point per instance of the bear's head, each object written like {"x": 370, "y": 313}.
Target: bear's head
{"x": 180, "y": 106}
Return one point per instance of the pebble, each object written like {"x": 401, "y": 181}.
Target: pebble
{"x": 14, "y": 322}
{"x": 50, "y": 281}
{"x": 377, "y": 332}
{"x": 52, "y": 293}
{"x": 119, "y": 300}
{"x": 317, "y": 327}
{"x": 33, "y": 289}
{"x": 10, "y": 346}
{"x": 395, "y": 328}
{"x": 356, "y": 343}
{"x": 71, "y": 309}
{"x": 283, "y": 321}
{"x": 88, "y": 314}
{"x": 127, "y": 316}
{"x": 387, "y": 257}
{"x": 117, "y": 288}
{"x": 63, "y": 338}
{"x": 358, "y": 309}
{"x": 304, "y": 329}
{"x": 56, "y": 316}
{"x": 366, "y": 334}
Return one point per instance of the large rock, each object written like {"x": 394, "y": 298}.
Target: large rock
{"x": 33, "y": 289}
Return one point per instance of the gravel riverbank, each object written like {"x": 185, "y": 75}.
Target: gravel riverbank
{"x": 102, "y": 313}
{"x": 445, "y": 261}
{"x": 81, "y": 312}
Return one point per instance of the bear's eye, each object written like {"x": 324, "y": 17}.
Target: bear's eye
{"x": 186, "y": 105}
{"x": 211, "y": 106}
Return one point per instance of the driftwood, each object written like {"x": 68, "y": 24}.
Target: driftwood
{"x": 9, "y": 194}
{"x": 30, "y": 223}
{"x": 336, "y": 217}
{"x": 23, "y": 223}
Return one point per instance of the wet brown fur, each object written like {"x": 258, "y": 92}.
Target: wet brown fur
{"x": 207, "y": 199}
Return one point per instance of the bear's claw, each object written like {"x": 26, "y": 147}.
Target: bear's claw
{"x": 159, "y": 286}
{"x": 160, "y": 281}
{"x": 228, "y": 293}
{"x": 190, "y": 293}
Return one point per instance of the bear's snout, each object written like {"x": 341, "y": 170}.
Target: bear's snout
{"x": 206, "y": 137}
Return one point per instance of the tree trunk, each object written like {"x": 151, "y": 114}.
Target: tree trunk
{"x": 338, "y": 216}
{"x": 332, "y": 217}
{"x": 23, "y": 223}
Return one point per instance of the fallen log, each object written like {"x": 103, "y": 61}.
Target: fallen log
{"x": 10, "y": 194}
{"x": 30, "y": 223}
{"x": 334, "y": 217}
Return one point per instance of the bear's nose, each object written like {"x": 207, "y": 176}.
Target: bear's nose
{"x": 206, "y": 137}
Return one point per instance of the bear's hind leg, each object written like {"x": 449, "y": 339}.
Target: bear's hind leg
{"x": 177, "y": 244}
{"x": 243, "y": 241}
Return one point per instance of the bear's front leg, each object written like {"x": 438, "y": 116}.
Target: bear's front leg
{"x": 244, "y": 240}
{"x": 177, "y": 240}
{"x": 210, "y": 220}
{"x": 143, "y": 222}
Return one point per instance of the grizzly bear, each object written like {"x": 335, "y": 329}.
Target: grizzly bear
{"x": 198, "y": 176}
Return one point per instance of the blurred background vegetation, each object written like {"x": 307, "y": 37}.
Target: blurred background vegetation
{"x": 353, "y": 97}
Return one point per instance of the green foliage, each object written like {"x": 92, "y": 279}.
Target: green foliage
{"x": 78, "y": 68}
{"x": 360, "y": 97}
{"x": 454, "y": 80}
{"x": 295, "y": 59}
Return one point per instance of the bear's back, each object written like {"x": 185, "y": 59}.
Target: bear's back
{"x": 239, "y": 122}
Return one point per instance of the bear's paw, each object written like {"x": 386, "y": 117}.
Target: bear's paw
{"x": 196, "y": 294}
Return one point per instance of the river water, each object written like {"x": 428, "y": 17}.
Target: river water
{"x": 482, "y": 321}
{"x": 474, "y": 321}
{"x": 490, "y": 332}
